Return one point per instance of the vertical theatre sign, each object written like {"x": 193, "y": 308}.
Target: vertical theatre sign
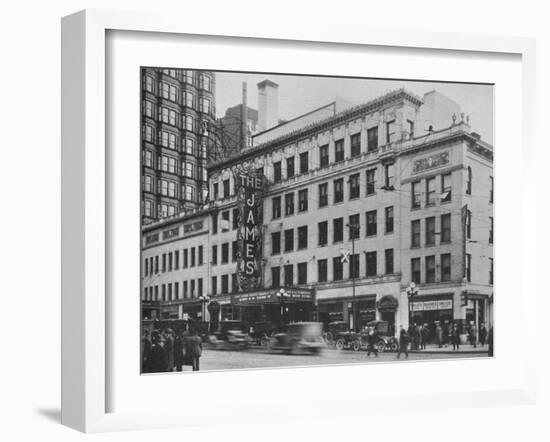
{"x": 249, "y": 234}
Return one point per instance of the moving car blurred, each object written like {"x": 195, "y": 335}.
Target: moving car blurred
{"x": 230, "y": 336}
{"x": 299, "y": 337}
{"x": 261, "y": 332}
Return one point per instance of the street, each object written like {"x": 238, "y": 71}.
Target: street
{"x": 255, "y": 358}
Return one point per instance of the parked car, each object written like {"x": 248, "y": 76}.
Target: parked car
{"x": 299, "y": 337}
{"x": 386, "y": 340}
{"x": 333, "y": 329}
{"x": 230, "y": 336}
{"x": 260, "y": 332}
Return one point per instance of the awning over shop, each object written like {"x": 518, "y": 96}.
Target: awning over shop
{"x": 272, "y": 297}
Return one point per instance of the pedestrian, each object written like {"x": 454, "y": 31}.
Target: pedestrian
{"x": 439, "y": 334}
{"x": 411, "y": 335}
{"x": 482, "y": 334}
{"x": 179, "y": 351}
{"x": 425, "y": 335}
{"x": 372, "y": 340}
{"x": 472, "y": 334}
{"x": 455, "y": 337}
{"x": 158, "y": 360}
{"x": 193, "y": 349}
{"x": 145, "y": 350}
{"x": 403, "y": 342}
{"x": 446, "y": 333}
{"x": 169, "y": 346}
{"x": 490, "y": 341}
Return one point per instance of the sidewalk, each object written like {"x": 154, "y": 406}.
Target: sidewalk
{"x": 464, "y": 349}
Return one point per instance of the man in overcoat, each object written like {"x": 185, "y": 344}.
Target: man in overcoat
{"x": 193, "y": 349}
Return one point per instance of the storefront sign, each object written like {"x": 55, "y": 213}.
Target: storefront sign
{"x": 417, "y": 306}
{"x": 270, "y": 296}
{"x": 446, "y": 304}
{"x": 430, "y": 305}
{"x": 431, "y": 162}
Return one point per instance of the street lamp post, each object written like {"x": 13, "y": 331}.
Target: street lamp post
{"x": 412, "y": 291}
{"x": 204, "y": 299}
{"x": 352, "y": 230}
{"x": 281, "y": 294}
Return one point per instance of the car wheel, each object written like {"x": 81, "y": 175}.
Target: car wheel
{"x": 330, "y": 337}
{"x": 381, "y": 346}
{"x": 356, "y": 345}
{"x": 264, "y": 341}
{"x": 340, "y": 344}
{"x": 394, "y": 346}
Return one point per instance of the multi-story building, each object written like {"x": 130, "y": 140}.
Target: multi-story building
{"x": 358, "y": 206}
{"x": 177, "y": 116}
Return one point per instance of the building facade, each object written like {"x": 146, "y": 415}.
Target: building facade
{"x": 177, "y": 117}
{"x": 358, "y": 206}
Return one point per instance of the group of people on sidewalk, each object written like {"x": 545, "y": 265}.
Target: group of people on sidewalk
{"x": 165, "y": 351}
{"x": 418, "y": 335}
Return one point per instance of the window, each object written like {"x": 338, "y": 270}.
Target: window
{"x": 289, "y": 275}
{"x": 189, "y": 76}
{"x": 302, "y": 237}
{"x": 163, "y": 262}
{"x": 234, "y": 285}
{"x": 446, "y": 228}
{"x": 149, "y": 83}
{"x": 192, "y": 290}
{"x": 491, "y": 230}
{"x": 323, "y": 233}
{"x": 148, "y": 133}
{"x": 164, "y": 292}
{"x": 321, "y": 270}
{"x": 354, "y": 227}
{"x": 371, "y": 223}
{"x": 225, "y": 284}
{"x": 148, "y": 158}
{"x": 411, "y": 128}
{"x": 275, "y": 277}
{"x": 430, "y": 192}
{"x": 276, "y": 207}
{"x": 289, "y": 240}
{"x": 146, "y": 266}
{"x": 170, "y": 262}
{"x": 176, "y": 290}
{"x": 468, "y": 267}
{"x": 199, "y": 287}
{"x": 277, "y": 171}
{"x": 226, "y": 188}
{"x": 225, "y": 253}
{"x": 491, "y": 189}
{"x": 389, "y": 219}
{"x": 415, "y": 233}
{"x": 389, "y": 131}
{"x": 176, "y": 259}
{"x": 389, "y": 172}
{"x": 338, "y": 227}
{"x": 372, "y": 139}
{"x": 302, "y": 273}
{"x": 388, "y": 253}
{"x": 290, "y": 167}
{"x": 430, "y": 269}
{"x": 260, "y": 172}
{"x": 354, "y": 186}
{"x": 185, "y": 289}
{"x": 446, "y": 267}
{"x": 339, "y": 150}
{"x": 168, "y": 91}
{"x": 469, "y": 181}
{"x": 354, "y": 266}
{"x": 188, "y": 123}
{"x": 491, "y": 270}
{"x": 214, "y": 255}
{"x": 148, "y": 183}
{"x": 234, "y": 251}
{"x": 214, "y": 223}
{"x": 189, "y": 99}
{"x": 430, "y": 231}
{"x": 302, "y": 200}
{"x": 415, "y": 270}
{"x": 371, "y": 181}
{"x": 323, "y": 156}
{"x": 236, "y": 219}
{"x": 446, "y": 190}
{"x": 168, "y": 116}
{"x": 355, "y": 145}
{"x": 304, "y": 162}
{"x": 192, "y": 255}
{"x": 185, "y": 259}
{"x": 225, "y": 221}
{"x": 204, "y": 105}
{"x": 148, "y": 109}
{"x": 323, "y": 195}
{"x": 289, "y": 204}
{"x": 415, "y": 195}
{"x": 275, "y": 243}
{"x": 468, "y": 224}
{"x": 337, "y": 269}
{"x": 189, "y": 146}
{"x": 214, "y": 285}
{"x": 338, "y": 190}
{"x": 371, "y": 263}
{"x": 204, "y": 82}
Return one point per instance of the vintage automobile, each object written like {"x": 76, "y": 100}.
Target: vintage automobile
{"x": 261, "y": 332}
{"x": 334, "y": 329}
{"x": 299, "y": 337}
{"x": 357, "y": 341}
{"x": 230, "y": 336}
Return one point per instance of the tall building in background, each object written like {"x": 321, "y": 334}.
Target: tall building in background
{"x": 178, "y": 112}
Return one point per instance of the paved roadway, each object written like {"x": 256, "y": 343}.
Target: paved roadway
{"x": 227, "y": 360}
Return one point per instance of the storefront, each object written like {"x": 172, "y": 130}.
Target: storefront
{"x": 150, "y": 310}
{"x": 431, "y": 310}
{"x": 387, "y": 307}
{"x": 331, "y": 310}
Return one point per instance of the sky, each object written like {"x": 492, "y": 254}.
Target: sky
{"x": 301, "y": 94}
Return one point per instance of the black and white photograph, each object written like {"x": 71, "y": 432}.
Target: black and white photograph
{"x": 294, "y": 220}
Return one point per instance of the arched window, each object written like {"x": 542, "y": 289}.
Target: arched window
{"x": 469, "y": 182}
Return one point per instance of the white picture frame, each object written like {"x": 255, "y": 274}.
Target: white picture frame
{"x": 86, "y": 233}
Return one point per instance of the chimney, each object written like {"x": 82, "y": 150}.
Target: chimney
{"x": 268, "y": 105}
